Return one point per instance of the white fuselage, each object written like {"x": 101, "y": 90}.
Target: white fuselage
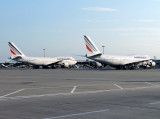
{"x": 43, "y": 61}
{"x": 38, "y": 60}
{"x": 120, "y": 60}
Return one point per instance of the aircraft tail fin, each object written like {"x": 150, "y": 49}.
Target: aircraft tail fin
{"x": 14, "y": 49}
{"x": 155, "y": 57}
{"x": 91, "y": 47}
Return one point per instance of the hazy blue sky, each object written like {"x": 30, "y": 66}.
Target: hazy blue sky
{"x": 123, "y": 26}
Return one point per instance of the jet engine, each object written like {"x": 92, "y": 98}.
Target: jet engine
{"x": 65, "y": 65}
{"x": 149, "y": 64}
{"x": 153, "y": 64}
{"x": 145, "y": 64}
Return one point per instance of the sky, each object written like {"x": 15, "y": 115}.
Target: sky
{"x": 123, "y": 26}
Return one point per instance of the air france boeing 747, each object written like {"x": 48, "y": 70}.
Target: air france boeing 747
{"x": 119, "y": 62}
{"x": 17, "y": 55}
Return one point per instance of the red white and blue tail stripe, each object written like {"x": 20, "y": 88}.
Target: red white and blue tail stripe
{"x": 91, "y": 47}
{"x": 14, "y": 50}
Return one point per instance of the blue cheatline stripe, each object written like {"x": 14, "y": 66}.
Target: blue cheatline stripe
{"x": 91, "y": 45}
{"x": 14, "y": 49}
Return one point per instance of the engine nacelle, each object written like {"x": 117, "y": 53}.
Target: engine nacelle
{"x": 153, "y": 64}
{"x": 144, "y": 64}
{"x": 66, "y": 65}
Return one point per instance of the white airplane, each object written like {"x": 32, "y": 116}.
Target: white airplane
{"x": 45, "y": 62}
{"x": 119, "y": 62}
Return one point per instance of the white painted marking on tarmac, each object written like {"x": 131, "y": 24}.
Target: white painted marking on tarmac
{"x": 150, "y": 83}
{"x": 77, "y": 86}
{"x": 74, "y": 88}
{"x": 118, "y": 86}
{"x": 153, "y": 103}
{"x": 37, "y": 96}
{"x": 95, "y": 84}
{"x": 78, "y": 114}
{"x": 84, "y": 92}
{"x": 11, "y": 93}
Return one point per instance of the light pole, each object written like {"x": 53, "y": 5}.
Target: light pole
{"x": 103, "y": 48}
{"x": 44, "y": 52}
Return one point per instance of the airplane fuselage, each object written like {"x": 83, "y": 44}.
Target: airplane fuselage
{"x": 43, "y": 61}
{"x": 37, "y": 60}
{"x": 120, "y": 60}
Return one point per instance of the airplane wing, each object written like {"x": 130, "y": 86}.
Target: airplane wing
{"x": 54, "y": 63}
{"x": 136, "y": 62}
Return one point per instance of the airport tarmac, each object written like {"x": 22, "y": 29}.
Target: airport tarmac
{"x": 79, "y": 94}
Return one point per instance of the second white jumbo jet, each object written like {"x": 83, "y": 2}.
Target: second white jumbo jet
{"x": 119, "y": 62}
{"x": 45, "y": 62}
